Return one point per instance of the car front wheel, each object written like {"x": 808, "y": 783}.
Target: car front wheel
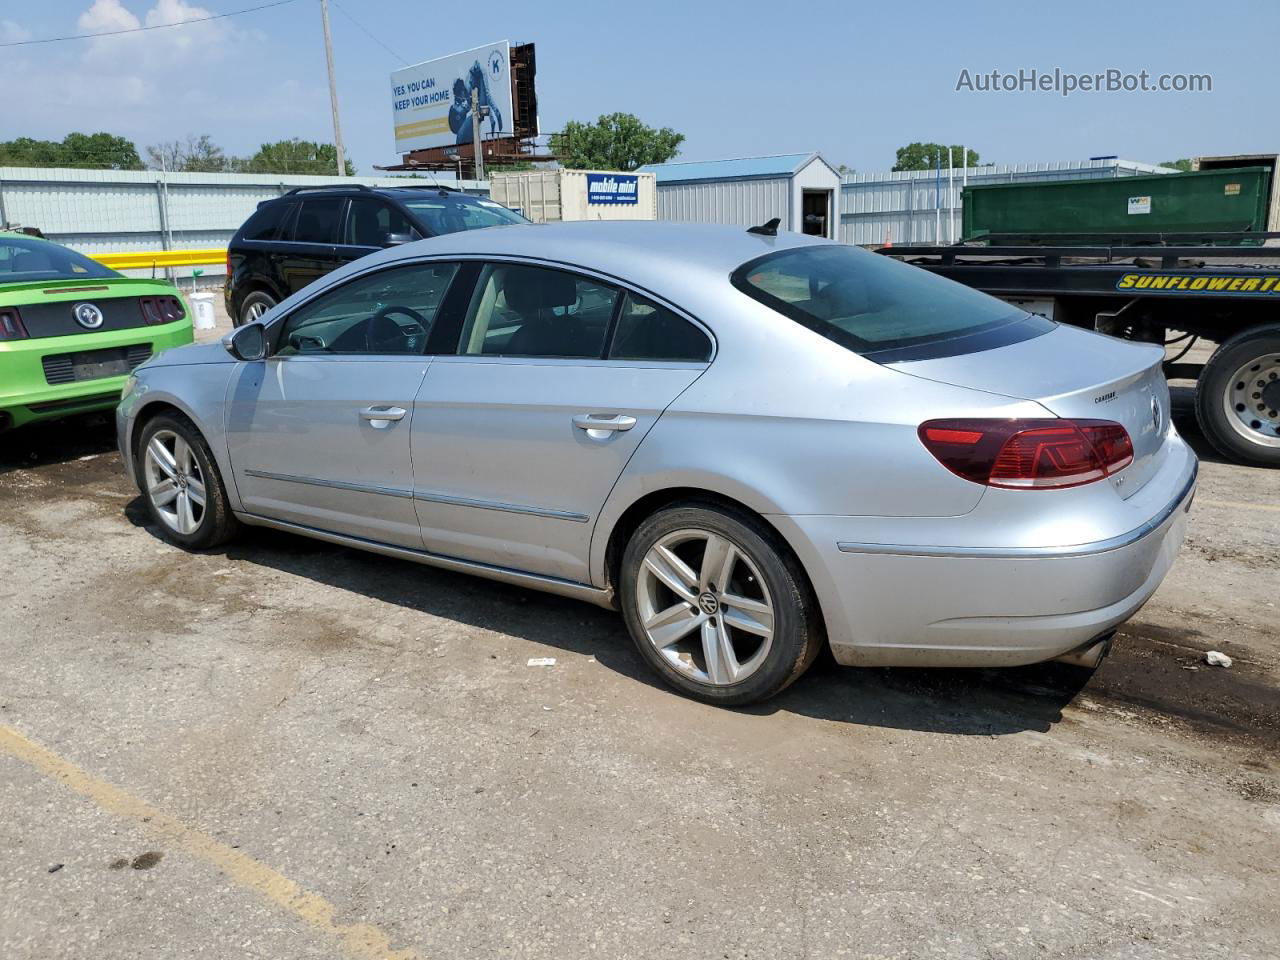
{"x": 181, "y": 484}
{"x": 717, "y": 605}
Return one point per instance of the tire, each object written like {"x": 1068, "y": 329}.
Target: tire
{"x": 1238, "y": 416}
{"x": 167, "y": 484}
{"x": 254, "y": 305}
{"x": 711, "y": 645}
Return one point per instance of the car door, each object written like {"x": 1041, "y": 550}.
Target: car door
{"x": 369, "y": 226}
{"x": 307, "y": 249}
{"x": 520, "y": 435}
{"x": 319, "y": 433}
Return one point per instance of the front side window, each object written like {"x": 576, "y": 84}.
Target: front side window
{"x": 371, "y": 222}
{"x": 519, "y": 311}
{"x": 648, "y": 331}
{"x": 448, "y": 215}
{"x": 389, "y": 312}
{"x": 871, "y": 303}
{"x": 28, "y": 259}
{"x": 318, "y": 220}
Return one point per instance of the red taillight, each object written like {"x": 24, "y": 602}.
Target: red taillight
{"x": 11, "y": 327}
{"x": 1029, "y": 454}
{"x": 158, "y": 310}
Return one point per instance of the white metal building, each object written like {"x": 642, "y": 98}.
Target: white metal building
{"x": 801, "y": 189}
{"x": 924, "y": 206}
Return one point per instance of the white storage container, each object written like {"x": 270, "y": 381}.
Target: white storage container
{"x": 549, "y": 196}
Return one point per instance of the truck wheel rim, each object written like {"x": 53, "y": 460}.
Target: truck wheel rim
{"x": 175, "y": 484}
{"x": 704, "y": 607}
{"x": 1251, "y": 400}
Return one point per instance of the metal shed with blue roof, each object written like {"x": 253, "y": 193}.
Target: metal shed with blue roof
{"x": 800, "y": 189}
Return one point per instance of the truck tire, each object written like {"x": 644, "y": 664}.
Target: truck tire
{"x": 1238, "y": 397}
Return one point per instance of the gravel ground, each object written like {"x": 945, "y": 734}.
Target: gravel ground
{"x": 290, "y": 749}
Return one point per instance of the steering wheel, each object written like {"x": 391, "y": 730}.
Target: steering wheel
{"x": 384, "y": 335}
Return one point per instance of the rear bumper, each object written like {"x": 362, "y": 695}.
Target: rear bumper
{"x": 26, "y": 395}
{"x": 893, "y": 604}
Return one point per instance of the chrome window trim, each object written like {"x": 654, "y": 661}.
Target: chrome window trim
{"x": 401, "y": 492}
{"x": 1182, "y": 500}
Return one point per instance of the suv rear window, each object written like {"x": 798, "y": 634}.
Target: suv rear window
{"x": 264, "y": 223}
{"x": 873, "y": 304}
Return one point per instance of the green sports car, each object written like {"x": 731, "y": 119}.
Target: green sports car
{"x": 71, "y": 330}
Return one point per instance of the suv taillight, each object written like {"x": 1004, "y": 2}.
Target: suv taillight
{"x": 158, "y": 310}
{"x": 11, "y": 327}
{"x": 1029, "y": 454}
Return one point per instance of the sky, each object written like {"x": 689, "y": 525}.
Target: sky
{"x": 852, "y": 80}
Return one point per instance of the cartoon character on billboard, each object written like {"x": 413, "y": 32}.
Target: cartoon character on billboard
{"x": 460, "y": 111}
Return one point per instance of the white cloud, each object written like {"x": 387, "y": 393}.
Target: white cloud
{"x": 11, "y": 32}
{"x": 107, "y": 15}
{"x": 149, "y": 50}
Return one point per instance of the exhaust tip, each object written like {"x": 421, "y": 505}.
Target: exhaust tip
{"x": 1090, "y": 655}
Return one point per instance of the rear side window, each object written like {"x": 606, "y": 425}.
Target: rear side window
{"x": 264, "y": 224}
{"x": 647, "y": 331}
{"x": 871, "y": 303}
{"x": 318, "y": 220}
{"x": 371, "y": 222}
{"x": 519, "y": 311}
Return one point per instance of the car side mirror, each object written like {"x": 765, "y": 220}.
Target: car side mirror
{"x": 395, "y": 239}
{"x": 247, "y": 343}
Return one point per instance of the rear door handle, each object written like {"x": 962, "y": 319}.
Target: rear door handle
{"x": 381, "y": 416}
{"x": 593, "y": 422}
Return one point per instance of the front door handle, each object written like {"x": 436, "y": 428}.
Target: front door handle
{"x": 381, "y": 416}
{"x": 599, "y": 426}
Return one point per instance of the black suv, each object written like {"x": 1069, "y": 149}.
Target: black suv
{"x": 300, "y": 236}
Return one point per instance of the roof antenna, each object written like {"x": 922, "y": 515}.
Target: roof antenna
{"x": 769, "y": 229}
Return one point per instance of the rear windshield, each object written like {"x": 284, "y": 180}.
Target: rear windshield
{"x": 871, "y": 303}
{"x": 24, "y": 259}
{"x": 447, "y": 215}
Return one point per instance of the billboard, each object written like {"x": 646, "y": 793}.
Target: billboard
{"x": 431, "y": 101}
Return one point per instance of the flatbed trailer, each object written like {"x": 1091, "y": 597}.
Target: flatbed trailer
{"x": 1164, "y": 292}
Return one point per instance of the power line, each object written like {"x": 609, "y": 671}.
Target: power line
{"x": 369, "y": 33}
{"x": 155, "y": 26}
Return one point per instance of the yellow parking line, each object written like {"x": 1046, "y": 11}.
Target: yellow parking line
{"x": 361, "y": 941}
{"x": 1237, "y": 505}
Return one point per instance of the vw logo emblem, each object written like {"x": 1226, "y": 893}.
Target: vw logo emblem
{"x": 1155, "y": 414}
{"x": 87, "y": 315}
{"x": 708, "y": 603}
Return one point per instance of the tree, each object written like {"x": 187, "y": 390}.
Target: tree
{"x": 296, "y": 156}
{"x": 616, "y": 141}
{"x": 927, "y": 156}
{"x": 193, "y": 155}
{"x": 1184, "y": 164}
{"x": 102, "y": 151}
{"x": 844, "y": 169}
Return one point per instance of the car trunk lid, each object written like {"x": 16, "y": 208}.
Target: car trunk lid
{"x": 1074, "y": 374}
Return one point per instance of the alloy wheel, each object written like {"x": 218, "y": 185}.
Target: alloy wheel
{"x": 704, "y": 607}
{"x": 174, "y": 482}
{"x": 1252, "y": 400}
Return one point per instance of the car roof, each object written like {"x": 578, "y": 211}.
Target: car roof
{"x": 662, "y": 256}
{"x": 360, "y": 190}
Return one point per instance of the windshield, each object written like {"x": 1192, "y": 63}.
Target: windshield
{"x": 448, "y": 215}
{"x": 870, "y": 303}
{"x": 27, "y": 259}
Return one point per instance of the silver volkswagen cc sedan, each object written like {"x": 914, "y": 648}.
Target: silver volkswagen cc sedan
{"x": 752, "y": 444}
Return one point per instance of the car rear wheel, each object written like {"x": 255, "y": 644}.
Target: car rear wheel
{"x": 717, "y": 605}
{"x": 254, "y": 306}
{"x": 1238, "y": 397}
{"x": 181, "y": 484}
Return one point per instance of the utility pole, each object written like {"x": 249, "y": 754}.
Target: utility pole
{"x": 475, "y": 134}
{"x": 333, "y": 90}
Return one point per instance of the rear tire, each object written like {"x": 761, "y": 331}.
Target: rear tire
{"x": 180, "y": 482}
{"x": 254, "y": 305}
{"x": 717, "y": 604}
{"x": 1238, "y": 397}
